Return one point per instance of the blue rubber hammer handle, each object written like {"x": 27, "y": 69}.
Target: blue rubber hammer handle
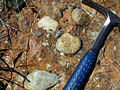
{"x": 81, "y": 71}
{"x": 86, "y": 65}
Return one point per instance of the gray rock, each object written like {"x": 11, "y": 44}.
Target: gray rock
{"x": 68, "y": 44}
{"x": 79, "y": 16}
{"x": 40, "y": 80}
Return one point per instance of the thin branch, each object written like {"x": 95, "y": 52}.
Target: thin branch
{"x": 7, "y": 25}
{"x": 11, "y": 82}
{"x": 12, "y": 70}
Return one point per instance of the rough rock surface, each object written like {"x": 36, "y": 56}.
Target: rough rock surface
{"x": 40, "y": 80}
{"x": 48, "y": 24}
{"x": 79, "y": 16}
{"x": 68, "y": 44}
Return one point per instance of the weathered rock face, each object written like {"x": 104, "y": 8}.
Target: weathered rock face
{"x": 68, "y": 44}
{"x": 79, "y": 16}
{"x": 40, "y": 80}
{"x": 48, "y": 24}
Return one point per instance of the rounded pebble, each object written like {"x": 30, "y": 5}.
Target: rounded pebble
{"x": 79, "y": 16}
{"x": 40, "y": 80}
{"x": 68, "y": 44}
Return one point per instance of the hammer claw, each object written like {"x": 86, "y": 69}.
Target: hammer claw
{"x": 84, "y": 69}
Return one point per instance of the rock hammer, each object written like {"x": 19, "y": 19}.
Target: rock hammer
{"x": 81, "y": 75}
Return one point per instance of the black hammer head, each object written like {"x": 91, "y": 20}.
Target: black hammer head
{"x": 111, "y": 20}
{"x": 107, "y": 13}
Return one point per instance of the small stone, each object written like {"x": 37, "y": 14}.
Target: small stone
{"x": 25, "y": 53}
{"x": 54, "y": 49}
{"x": 79, "y": 16}
{"x": 63, "y": 63}
{"x": 25, "y": 71}
{"x": 96, "y": 78}
{"x": 48, "y": 24}
{"x": 78, "y": 60}
{"x": 94, "y": 34}
{"x": 98, "y": 86}
{"x": 39, "y": 59}
{"x": 62, "y": 54}
{"x": 48, "y": 35}
{"x": 67, "y": 65}
{"x": 57, "y": 12}
{"x": 94, "y": 12}
{"x": 84, "y": 30}
{"x": 57, "y": 34}
{"x": 19, "y": 78}
{"x": 48, "y": 66}
{"x": 91, "y": 14}
{"x": 115, "y": 48}
{"x": 45, "y": 43}
{"x": 40, "y": 80}
{"x": 6, "y": 42}
{"x": 68, "y": 44}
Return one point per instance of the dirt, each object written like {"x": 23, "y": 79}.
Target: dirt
{"x": 20, "y": 34}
